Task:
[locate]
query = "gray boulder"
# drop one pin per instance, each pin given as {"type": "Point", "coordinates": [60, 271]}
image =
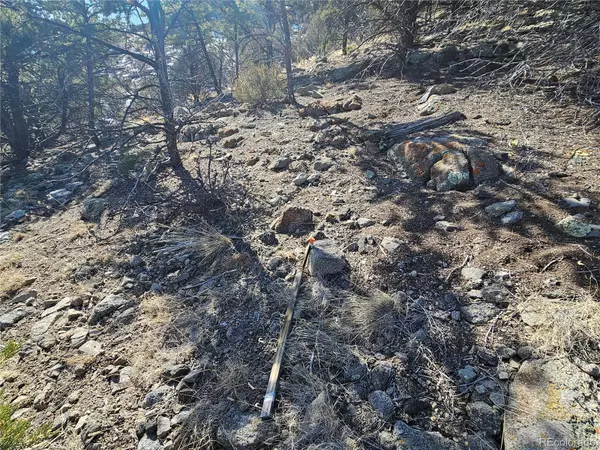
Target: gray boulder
{"type": "Point", "coordinates": [10, 318]}
{"type": "Point", "coordinates": [382, 403]}
{"type": "Point", "coordinates": [108, 306]}
{"type": "Point", "coordinates": [326, 259]}
{"type": "Point", "coordinates": [242, 431]}
{"type": "Point", "coordinates": [549, 408]}
{"type": "Point", "coordinates": [484, 418]}
{"type": "Point", "coordinates": [413, 439]}
{"type": "Point", "coordinates": [92, 209]}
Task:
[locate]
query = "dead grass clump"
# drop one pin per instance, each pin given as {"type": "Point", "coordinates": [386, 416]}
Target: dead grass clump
{"type": "Point", "coordinates": [78, 230]}
{"type": "Point", "coordinates": [377, 316]}
{"type": "Point", "coordinates": [11, 260]}
{"type": "Point", "coordinates": [203, 242]}
{"type": "Point", "coordinates": [155, 309]}
{"type": "Point", "coordinates": [11, 281]}
{"type": "Point", "coordinates": [149, 352]}
{"type": "Point", "coordinates": [565, 327]}
{"type": "Point", "coordinates": [306, 411]}
{"type": "Point", "coordinates": [232, 378]}
{"type": "Point", "coordinates": [318, 349]}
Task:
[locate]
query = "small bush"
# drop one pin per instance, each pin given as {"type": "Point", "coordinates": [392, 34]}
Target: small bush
{"type": "Point", "coordinates": [9, 350]}
{"type": "Point", "coordinates": [18, 434]}
{"type": "Point", "coordinates": [259, 84]}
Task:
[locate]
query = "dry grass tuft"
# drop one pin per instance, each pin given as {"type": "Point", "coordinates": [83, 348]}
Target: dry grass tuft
{"type": "Point", "coordinates": [566, 327]}
{"type": "Point", "coordinates": [11, 281]}
{"type": "Point", "coordinates": [318, 349]}
{"type": "Point", "coordinates": [377, 316]}
{"type": "Point", "coordinates": [11, 260]}
{"type": "Point", "coordinates": [231, 378]}
{"type": "Point", "coordinates": [306, 411]}
{"type": "Point", "coordinates": [149, 353]}
{"type": "Point", "coordinates": [203, 242]}
{"type": "Point", "coordinates": [78, 230]}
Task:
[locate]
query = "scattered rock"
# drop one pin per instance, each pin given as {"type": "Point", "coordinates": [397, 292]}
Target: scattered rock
{"type": "Point", "coordinates": [232, 142]}
{"type": "Point", "coordinates": [484, 418]}
{"type": "Point", "coordinates": [472, 273]}
{"type": "Point", "coordinates": [155, 396]}
{"type": "Point", "coordinates": [40, 328]}
{"type": "Point", "coordinates": [479, 313]}
{"type": "Point", "coordinates": [447, 226]}
{"type": "Point", "coordinates": [242, 431]}
{"type": "Point", "coordinates": [576, 226]}
{"type": "Point", "coordinates": [505, 353]}
{"type": "Point", "coordinates": [391, 244]}
{"type": "Point", "coordinates": [467, 374]}
{"type": "Point", "coordinates": [163, 427]}
{"type": "Point", "coordinates": [108, 306]}
{"type": "Point", "coordinates": [437, 89]}
{"type": "Point", "coordinates": [525, 352]}
{"type": "Point", "coordinates": [78, 337]}
{"type": "Point", "coordinates": [175, 372]}
{"type": "Point", "coordinates": [92, 209]}
{"type": "Point", "coordinates": [15, 216]}
{"type": "Point", "coordinates": [91, 348]}
{"type": "Point", "coordinates": [146, 443]}
{"type": "Point", "coordinates": [498, 399]}
{"type": "Point", "coordinates": [323, 165]}
{"type": "Point", "coordinates": [500, 208]}
{"type": "Point", "coordinates": [577, 202]}
{"type": "Point", "coordinates": [65, 303]}
{"type": "Point", "coordinates": [326, 259]}
{"type": "Point", "coordinates": [10, 318]}
{"type": "Point", "coordinates": [363, 222]}
{"type": "Point", "coordinates": [382, 403]}
{"type": "Point", "coordinates": [280, 163]}
{"type": "Point", "coordinates": [410, 438]}
{"type": "Point", "coordinates": [60, 195]}
{"type": "Point", "coordinates": [450, 173]}
{"type": "Point", "coordinates": [352, 104]}
{"type": "Point", "coordinates": [465, 158]}
{"type": "Point", "coordinates": [495, 293]}
{"type": "Point", "coordinates": [293, 220]}
{"type": "Point", "coordinates": [268, 238]}
{"type": "Point", "coordinates": [512, 218]}
{"type": "Point", "coordinates": [301, 179]}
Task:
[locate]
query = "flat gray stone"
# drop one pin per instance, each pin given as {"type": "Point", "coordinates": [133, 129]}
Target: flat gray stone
{"type": "Point", "coordinates": [40, 328]}
{"type": "Point", "coordinates": [10, 318]}
{"type": "Point", "coordinates": [479, 313]}
{"type": "Point", "coordinates": [500, 208]}
{"type": "Point", "coordinates": [91, 348]}
{"type": "Point", "coordinates": [413, 439]}
{"type": "Point", "coordinates": [326, 259]}
{"type": "Point", "coordinates": [109, 305]}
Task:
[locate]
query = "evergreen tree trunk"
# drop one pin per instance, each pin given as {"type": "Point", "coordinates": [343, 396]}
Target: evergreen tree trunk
{"type": "Point", "coordinates": [18, 132]}
{"type": "Point", "coordinates": [288, 53]}
{"type": "Point", "coordinates": [211, 69]}
{"type": "Point", "coordinates": [89, 83]}
{"type": "Point", "coordinates": [157, 23]}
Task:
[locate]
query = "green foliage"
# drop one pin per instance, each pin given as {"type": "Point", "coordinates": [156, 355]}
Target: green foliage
{"type": "Point", "coordinates": [134, 159]}
{"type": "Point", "coordinates": [18, 434]}
{"type": "Point", "coordinates": [9, 350]}
{"type": "Point", "coordinates": [259, 84]}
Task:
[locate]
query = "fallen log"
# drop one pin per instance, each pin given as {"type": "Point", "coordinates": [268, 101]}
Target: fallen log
{"type": "Point", "coordinates": [402, 130]}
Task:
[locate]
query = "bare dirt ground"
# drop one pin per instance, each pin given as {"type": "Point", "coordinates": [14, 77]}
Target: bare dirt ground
{"type": "Point", "coordinates": [395, 326]}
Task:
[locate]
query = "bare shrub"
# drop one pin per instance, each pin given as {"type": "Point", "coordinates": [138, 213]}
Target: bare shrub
{"type": "Point", "coordinates": [259, 84]}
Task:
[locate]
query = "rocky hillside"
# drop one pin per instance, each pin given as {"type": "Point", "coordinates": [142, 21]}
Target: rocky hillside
{"type": "Point", "coordinates": [452, 299]}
